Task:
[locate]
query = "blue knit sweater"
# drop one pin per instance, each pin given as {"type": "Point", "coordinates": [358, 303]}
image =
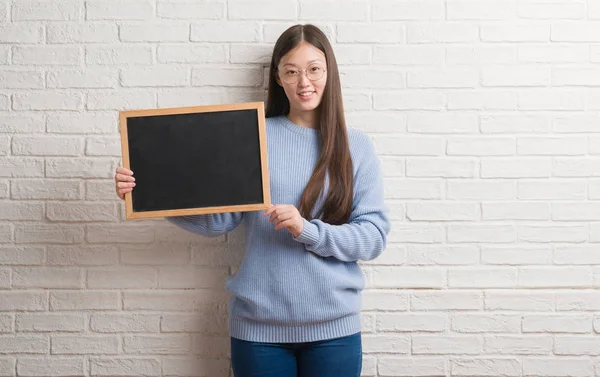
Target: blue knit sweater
{"type": "Point", "coordinates": [306, 288]}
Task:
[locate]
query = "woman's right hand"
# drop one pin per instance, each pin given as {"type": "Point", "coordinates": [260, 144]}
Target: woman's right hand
{"type": "Point", "coordinates": [124, 181]}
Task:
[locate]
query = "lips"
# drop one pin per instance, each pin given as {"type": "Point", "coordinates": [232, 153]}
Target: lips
{"type": "Point", "coordinates": [306, 94]}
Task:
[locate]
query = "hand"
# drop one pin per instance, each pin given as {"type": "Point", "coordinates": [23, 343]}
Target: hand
{"type": "Point", "coordinates": [124, 181]}
{"type": "Point", "coordinates": [286, 216]}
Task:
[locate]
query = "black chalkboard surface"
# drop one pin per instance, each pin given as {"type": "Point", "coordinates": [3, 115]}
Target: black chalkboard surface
{"type": "Point", "coordinates": [196, 160]}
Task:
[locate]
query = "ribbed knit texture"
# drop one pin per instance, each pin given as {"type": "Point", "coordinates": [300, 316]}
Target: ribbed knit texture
{"type": "Point", "coordinates": [306, 288]}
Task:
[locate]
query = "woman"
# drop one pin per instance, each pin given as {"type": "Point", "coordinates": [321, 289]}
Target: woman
{"type": "Point", "coordinates": [295, 307]}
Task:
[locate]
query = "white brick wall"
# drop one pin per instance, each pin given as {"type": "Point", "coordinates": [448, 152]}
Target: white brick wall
{"type": "Point", "coordinates": [485, 117]}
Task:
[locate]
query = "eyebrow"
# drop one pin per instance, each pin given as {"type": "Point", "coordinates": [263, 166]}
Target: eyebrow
{"type": "Point", "coordinates": [312, 61]}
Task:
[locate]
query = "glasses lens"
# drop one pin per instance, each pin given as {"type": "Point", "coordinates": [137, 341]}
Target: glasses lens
{"type": "Point", "coordinates": [314, 73]}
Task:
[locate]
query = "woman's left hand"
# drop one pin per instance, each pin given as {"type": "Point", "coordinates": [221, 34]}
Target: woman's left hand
{"type": "Point", "coordinates": [286, 216]}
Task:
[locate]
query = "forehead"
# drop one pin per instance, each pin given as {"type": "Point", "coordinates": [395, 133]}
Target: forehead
{"type": "Point", "coordinates": [303, 54]}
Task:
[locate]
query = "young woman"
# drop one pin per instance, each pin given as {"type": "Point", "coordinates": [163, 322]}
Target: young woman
{"type": "Point", "coordinates": [295, 307]}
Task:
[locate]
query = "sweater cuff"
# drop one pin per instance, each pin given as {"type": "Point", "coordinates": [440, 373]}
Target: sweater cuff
{"type": "Point", "coordinates": [309, 235]}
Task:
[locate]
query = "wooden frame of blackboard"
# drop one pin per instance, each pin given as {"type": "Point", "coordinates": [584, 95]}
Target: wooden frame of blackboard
{"type": "Point", "coordinates": [261, 133]}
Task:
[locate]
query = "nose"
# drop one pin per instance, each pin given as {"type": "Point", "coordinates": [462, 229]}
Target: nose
{"type": "Point", "coordinates": [303, 80]}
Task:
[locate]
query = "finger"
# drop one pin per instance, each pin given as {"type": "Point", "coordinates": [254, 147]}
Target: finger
{"type": "Point", "coordinates": [284, 224]}
{"type": "Point", "coordinates": [124, 171]}
{"type": "Point", "coordinates": [283, 217]}
{"type": "Point", "coordinates": [124, 178]}
{"type": "Point", "coordinates": [270, 210]}
{"type": "Point", "coordinates": [121, 192]}
{"type": "Point", "coordinates": [125, 184]}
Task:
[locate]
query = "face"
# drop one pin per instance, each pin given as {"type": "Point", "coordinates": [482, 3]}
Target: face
{"type": "Point", "coordinates": [300, 65]}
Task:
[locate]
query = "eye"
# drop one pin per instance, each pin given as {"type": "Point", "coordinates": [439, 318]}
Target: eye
{"type": "Point", "coordinates": [291, 72]}
{"type": "Point", "coordinates": [315, 69]}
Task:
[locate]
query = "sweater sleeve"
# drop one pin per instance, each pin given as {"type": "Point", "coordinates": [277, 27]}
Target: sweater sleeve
{"type": "Point", "coordinates": [208, 225]}
{"type": "Point", "coordinates": [364, 236]}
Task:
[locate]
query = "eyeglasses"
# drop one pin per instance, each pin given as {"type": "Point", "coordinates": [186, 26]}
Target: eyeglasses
{"type": "Point", "coordinates": [292, 75]}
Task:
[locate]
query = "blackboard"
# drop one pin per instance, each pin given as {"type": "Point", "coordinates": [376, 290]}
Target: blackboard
{"type": "Point", "coordinates": [195, 160]}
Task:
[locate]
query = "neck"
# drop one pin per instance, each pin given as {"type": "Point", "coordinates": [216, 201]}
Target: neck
{"type": "Point", "coordinates": [308, 119]}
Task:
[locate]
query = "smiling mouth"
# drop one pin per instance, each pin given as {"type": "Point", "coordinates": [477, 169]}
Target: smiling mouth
{"type": "Point", "coordinates": [305, 94]}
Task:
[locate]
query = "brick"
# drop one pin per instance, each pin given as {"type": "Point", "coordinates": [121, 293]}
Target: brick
{"type": "Point", "coordinates": [90, 123]}
{"type": "Point", "coordinates": [476, 10]}
{"type": "Point", "coordinates": [477, 277]}
{"type": "Point", "coordinates": [481, 190]}
{"type": "Point", "coordinates": [409, 277]}
{"type": "Point", "coordinates": [47, 10]}
{"type": "Point", "coordinates": [82, 33]}
{"type": "Point", "coordinates": [408, 10]}
{"type": "Point", "coordinates": [162, 76]}
{"type": "Point", "coordinates": [578, 301]}
{"type": "Point", "coordinates": [38, 233]}
{"type": "Point", "coordinates": [348, 54]}
{"type": "Point", "coordinates": [50, 322]}
{"type": "Point", "coordinates": [558, 366]}
{"type": "Point", "coordinates": [22, 300]}
{"type": "Point", "coordinates": [118, 55]}
{"type": "Point", "coordinates": [82, 300]}
{"type": "Point", "coordinates": [22, 79]}
{"type": "Point", "coordinates": [414, 188]}
{"type": "Point", "coordinates": [411, 367]}
{"type": "Point", "coordinates": [488, 323]}
{"type": "Point", "coordinates": [516, 255]}
{"type": "Point", "coordinates": [515, 33]}
{"type": "Point", "coordinates": [21, 255]}
{"type": "Point", "coordinates": [6, 233]}
{"type": "Point", "coordinates": [379, 343]}
{"type": "Point", "coordinates": [551, 10]}
{"type": "Point", "coordinates": [518, 345]}
{"type": "Point", "coordinates": [515, 76]}
{"type": "Point", "coordinates": [192, 96]}
{"type": "Point", "coordinates": [125, 367]}
{"type": "Point", "coordinates": [575, 32]}
{"type": "Point", "coordinates": [354, 10]}
{"type": "Point", "coordinates": [160, 32]}
{"type": "Point", "coordinates": [553, 233]}
{"type": "Point", "coordinates": [575, 211]}
{"type": "Point", "coordinates": [47, 277]}
{"type": "Point", "coordinates": [120, 234]}
{"type": "Point", "coordinates": [47, 101]}
{"type": "Point", "coordinates": [408, 145]}
{"type": "Point", "coordinates": [103, 147]}
{"type": "Point", "coordinates": [514, 124]}
{"type": "Point", "coordinates": [516, 168]}
{"type": "Point", "coordinates": [416, 233]}
{"type": "Point", "coordinates": [47, 55]}
{"type": "Point", "coordinates": [7, 366]}
{"type": "Point", "coordinates": [442, 32]}
{"type": "Point", "coordinates": [372, 33]}
{"type": "Point", "coordinates": [79, 168]}
{"type": "Point", "coordinates": [411, 322]}
{"type": "Point", "coordinates": [480, 55]}
{"type": "Point", "coordinates": [28, 189]}
{"type": "Point", "coordinates": [77, 79]}
{"type": "Point", "coordinates": [576, 254]}
{"type": "Point", "coordinates": [21, 124]}
{"type": "Point", "coordinates": [217, 31]}
{"type": "Point", "coordinates": [482, 100]}
{"type": "Point", "coordinates": [170, 301]}
{"type": "Point", "coordinates": [417, 55]}
{"type": "Point", "coordinates": [519, 301]}
{"type": "Point", "coordinates": [64, 366]}
{"type": "Point", "coordinates": [184, 53]}
{"type": "Point", "coordinates": [128, 323]}
{"type": "Point", "coordinates": [480, 146]}
{"type": "Point", "coordinates": [6, 325]}
{"type": "Point", "coordinates": [447, 78]}
{"type": "Point", "coordinates": [576, 167]}
{"type": "Point", "coordinates": [389, 300]}
{"type": "Point", "coordinates": [212, 10]}
{"type": "Point", "coordinates": [578, 323]}
{"type": "Point", "coordinates": [443, 168]}
{"type": "Point", "coordinates": [515, 211]}
{"type": "Point", "coordinates": [555, 54]}
{"type": "Point", "coordinates": [127, 99]}
{"type": "Point", "coordinates": [81, 212]}
{"type": "Point", "coordinates": [445, 300]}
{"type": "Point", "coordinates": [83, 255]}
{"type": "Point", "coordinates": [21, 211]}
{"type": "Point", "coordinates": [265, 10]}
{"type": "Point", "coordinates": [5, 278]}
{"type": "Point", "coordinates": [435, 211]}
{"type": "Point", "coordinates": [211, 346]}
{"type": "Point", "coordinates": [367, 78]}
{"type": "Point", "coordinates": [273, 30]}
{"type": "Point", "coordinates": [47, 146]}
{"type": "Point", "coordinates": [99, 190]}
{"type": "Point", "coordinates": [551, 190]}
{"type": "Point", "coordinates": [21, 33]}
{"type": "Point", "coordinates": [576, 345]}
{"type": "Point", "coordinates": [152, 344]}
{"type": "Point", "coordinates": [206, 323]}
{"type": "Point", "coordinates": [120, 10]}
{"type": "Point", "coordinates": [196, 277]}
{"type": "Point", "coordinates": [85, 345]}
{"type": "Point", "coordinates": [485, 367]}
{"type": "Point", "coordinates": [555, 277]}
{"type": "Point", "coordinates": [442, 255]}
{"type": "Point", "coordinates": [112, 278]}
{"type": "Point", "coordinates": [448, 345]}
{"type": "Point", "coordinates": [4, 51]}
{"type": "Point", "coordinates": [238, 77]}
{"type": "Point", "coordinates": [31, 344]}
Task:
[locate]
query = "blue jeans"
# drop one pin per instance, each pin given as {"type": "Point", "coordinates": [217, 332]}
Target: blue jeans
{"type": "Point", "coordinates": [341, 357]}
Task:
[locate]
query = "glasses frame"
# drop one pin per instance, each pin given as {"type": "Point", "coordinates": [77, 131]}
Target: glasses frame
{"type": "Point", "coordinates": [302, 71]}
